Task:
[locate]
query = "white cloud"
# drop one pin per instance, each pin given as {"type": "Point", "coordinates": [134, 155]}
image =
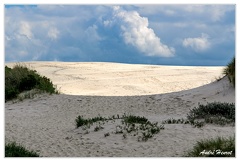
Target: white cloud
{"type": "Point", "coordinates": [198, 44]}
{"type": "Point", "coordinates": [25, 29]}
{"type": "Point", "coordinates": [53, 33]}
{"type": "Point", "coordinates": [137, 33]}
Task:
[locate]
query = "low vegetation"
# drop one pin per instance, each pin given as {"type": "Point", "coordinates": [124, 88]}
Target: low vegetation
{"type": "Point", "coordinates": [20, 79]}
{"type": "Point", "coordinates": [213, 113]}
{"type": "Point", "coordinates": [131, 125]}
{"type": "Point", "coordinates": [14, 150]}
{"type": "Point", "coordinates": [229, 71]}
{"type": "Point", "coordinates": [214, 147]}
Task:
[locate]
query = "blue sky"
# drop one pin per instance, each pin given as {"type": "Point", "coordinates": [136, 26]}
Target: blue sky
{"type": "Point", "coordinates": [145, 34]}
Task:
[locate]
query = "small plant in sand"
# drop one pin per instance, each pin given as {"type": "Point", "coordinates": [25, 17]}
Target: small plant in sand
{"type": "Point", "coordinates": [215, 147]}
{"type": "Point", "coordinates": [98, 127]}
{"type": "Point", "coordinates": [131, 125]}
{"type": "Point", "coordinates": [14, 150]}
{"type": "Point", "coordinates": [175, 121]}
{"type": "Point", "coordinates": [214, 113]}
{"type": "Point", "coordinates": [80, 121]}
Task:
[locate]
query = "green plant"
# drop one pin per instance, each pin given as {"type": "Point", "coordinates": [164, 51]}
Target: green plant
{"type": "Point", "coordinates": [20, 78]}
{"type": "Point", "coordinates": [215, 113]}
{"type": "Point", "coordinates": [135, 119]}
{"type": "Point", "coordinates": [98, 127]}
{"type": "Point", "coordinates": [14, 150]}
{"type": "Point", "coordinates": [229, 71]}
{"type": "Point", "coordinates": [80, 121]}
{"type": "Point", "coordinates": [175, 121]}
{"type": "Point", "coordinates": [214, 147]}
{"type": "Point", "coordinates": [131, 124]}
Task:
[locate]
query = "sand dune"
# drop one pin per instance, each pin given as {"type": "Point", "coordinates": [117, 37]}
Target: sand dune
{"type": "Point", "coordinates": [46, 123]}
{"type": "Point", "coordinates": [115, 79]}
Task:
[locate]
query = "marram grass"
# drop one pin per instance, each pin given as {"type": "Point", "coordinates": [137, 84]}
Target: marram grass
{"type": "Point", "coordinates": [229, 71]}
{"type": "Point", "coordinates": [14, 150]}
{"type": "Point", "coordinates": [214, 147]}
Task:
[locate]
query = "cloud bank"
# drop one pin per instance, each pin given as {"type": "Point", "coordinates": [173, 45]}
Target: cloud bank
{"type": "Point", "coordinates": [137, 33]}
{"type": "Point", "coordinates": [145, 34]}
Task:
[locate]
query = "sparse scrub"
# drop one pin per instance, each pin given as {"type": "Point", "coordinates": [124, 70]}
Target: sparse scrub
{"type": "Point", "coordinates": [20, 79]}
{"type": "Point", "coordinates": [80, 121]}
{"type": "Point", "coordinates": [175, 121]}
{"type": "Point", "coordinates": [214, 113]}
{"type": "Point", "coordinates": [14, 150]}
{"type": "Point", "coordinates": [215, 147]}
{"type": "Point", "coordinates": [229, 71]}
{"type": "Point", "coordinates": [131, 124]}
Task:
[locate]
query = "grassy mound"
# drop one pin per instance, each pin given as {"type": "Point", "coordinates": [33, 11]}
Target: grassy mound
{"type": "Point", "coordinates": [20, 78]}
{"type": "Point", "coordinates": [14, 150]}
{"type": "Point", "coordinates": [229, 71]}
{"type": "Point", "coordinates": [131, 126]}
{"type": "Point", "coordinates": [218, 147]}
{"type": "Point", "coordinates": [214, 113]}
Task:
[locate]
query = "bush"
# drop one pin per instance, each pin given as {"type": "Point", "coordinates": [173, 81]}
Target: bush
{"type": "Point", "coordinates": [229, 71]}
{"type": "Point", "coordinates": [218, 147]}
{"type": "Point", "coordinates": [14, 150]}
{"type": "Point", "coordinates": [135, 119]}
{"type": "Point", "coordinates": [20, 78]}
{"type": "Point", "coordinates": [216, 112]}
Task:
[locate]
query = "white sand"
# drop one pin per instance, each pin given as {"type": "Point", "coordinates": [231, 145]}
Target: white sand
{"type": "Point", "coordinates": [46, 123]}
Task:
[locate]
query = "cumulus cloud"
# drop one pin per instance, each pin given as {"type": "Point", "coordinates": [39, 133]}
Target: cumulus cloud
{"type": "Point", "coordinates": [137, 33]}
{"type": "Point", "coordinates": [198, 44]}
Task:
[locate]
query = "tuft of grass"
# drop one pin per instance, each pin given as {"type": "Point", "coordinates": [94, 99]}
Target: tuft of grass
{"type": "Point", "coordinates": [215, 147]}
{"type": "Point", "coordinates": [135, 119]}
{"type": "Point", "coordinates": [175, 121]}
{"type": "Point", "coordinates": [214, 113]}
{"type": "Point", "coordinates": [20, 78]}
{"type": "Point", "coordinates": [14, 150]}
{"type": "Point", "coordinates": [80, 121]}
{"type": "Point", "coordinates": [229, 71]}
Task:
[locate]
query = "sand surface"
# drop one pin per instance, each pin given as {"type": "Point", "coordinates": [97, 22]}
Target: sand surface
{"type": "Point", "coordinates": [46, 123]}
{"type": "Point", "coordinates": [115, 79]}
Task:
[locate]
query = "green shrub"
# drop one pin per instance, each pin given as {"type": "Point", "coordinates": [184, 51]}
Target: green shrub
{"type": "Point", "coordinates": [229, 71]}
{"type": "Point", "coordinates": [218, 147]}
{"type": "Point", "coordinates": [80, 121]}
{"type": "Point", "coordinates": [14, 150]}
{"type": "Point", "coordinates": [216, 112]}
{"type": "Point", "coordinates": [135, 119]}
{"type": "Point", "coordinates": [20, 78]}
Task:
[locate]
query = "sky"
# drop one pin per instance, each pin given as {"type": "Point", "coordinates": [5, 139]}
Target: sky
{"type": "Point", "coordinates": [138, 34]}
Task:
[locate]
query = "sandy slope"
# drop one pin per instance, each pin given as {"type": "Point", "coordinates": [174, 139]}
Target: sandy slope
{"type": "Point", "coordinates": [46, 123]}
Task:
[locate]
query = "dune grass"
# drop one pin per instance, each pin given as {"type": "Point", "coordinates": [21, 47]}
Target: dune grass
{"type": "Point", "coordinates": [21, 78]}
{"type": "Point", "coordinates": [229, 71]}
{"type": "Point", "coordinates": [14, 150]}
{"type": "Point", "coordinates": [214, 147]}
{"type": "Point", "coordinates": [214, 113]}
